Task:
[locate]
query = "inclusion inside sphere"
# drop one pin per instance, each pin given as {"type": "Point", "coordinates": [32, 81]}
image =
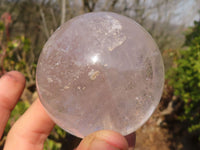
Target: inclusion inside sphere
{"type": "Point", "coordinates": [100, 71]}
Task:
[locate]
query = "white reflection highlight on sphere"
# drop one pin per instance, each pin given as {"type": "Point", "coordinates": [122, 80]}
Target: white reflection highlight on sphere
{"type": "Point", "coordinates": [95, 58]}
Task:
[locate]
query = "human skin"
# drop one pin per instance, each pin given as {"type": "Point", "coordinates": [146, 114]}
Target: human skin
{"type": "Point", "coordinates": [32, 128]}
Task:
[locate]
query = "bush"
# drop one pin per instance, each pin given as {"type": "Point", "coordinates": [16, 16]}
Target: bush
{"type": "Point", "coordinates": [16, 54]}
{"type": "Point", "coordinates": [185, 79]}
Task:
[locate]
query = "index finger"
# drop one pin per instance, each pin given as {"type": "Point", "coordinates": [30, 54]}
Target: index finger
{"type": "Point", "coordinates": [31, 129]}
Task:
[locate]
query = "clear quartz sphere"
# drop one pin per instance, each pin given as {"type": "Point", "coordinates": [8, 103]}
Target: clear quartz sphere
{"type": "Point", "coordinates": [100, 71]}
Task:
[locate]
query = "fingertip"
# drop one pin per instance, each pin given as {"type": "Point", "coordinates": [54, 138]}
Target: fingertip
{"type": "Point", "coordinates": [15, 76]}
{"type": "Point", "coordinates": [113, 138]}
{"type": "Point", "coordinates": [104, 139]}
{"type": "Point", "coordinates": [14, 79]}
{"type": "Point", "coordinates": [11, 87]}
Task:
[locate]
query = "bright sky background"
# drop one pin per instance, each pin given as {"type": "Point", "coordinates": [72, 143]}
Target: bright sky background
{"type": "Point", "coordinates": [187, 11]}
{"type": "Point", "coordinates": [183, 14]}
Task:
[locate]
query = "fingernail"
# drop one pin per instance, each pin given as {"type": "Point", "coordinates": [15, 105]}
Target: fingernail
{"type": "Point", "coordinates": [102, 145]}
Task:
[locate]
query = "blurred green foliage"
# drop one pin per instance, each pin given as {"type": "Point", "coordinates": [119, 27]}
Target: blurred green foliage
{"type": "Point", "coordinates": [14, 55]}
{"type": "Point", "coordinates": [185, 79]}
{"type": "Point", "coordinates": [192, 38]}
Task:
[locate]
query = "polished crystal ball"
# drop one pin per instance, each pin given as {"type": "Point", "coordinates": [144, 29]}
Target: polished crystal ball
{"type": "Point", "coordinates": [100, 71]}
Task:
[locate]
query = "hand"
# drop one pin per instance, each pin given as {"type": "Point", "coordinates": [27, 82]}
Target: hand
{"type": "Point", "coordinates": [33, 127]}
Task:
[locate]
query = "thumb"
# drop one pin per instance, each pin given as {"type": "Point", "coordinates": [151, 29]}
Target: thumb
{"type": "Point", "coordinates": [103, 140]}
